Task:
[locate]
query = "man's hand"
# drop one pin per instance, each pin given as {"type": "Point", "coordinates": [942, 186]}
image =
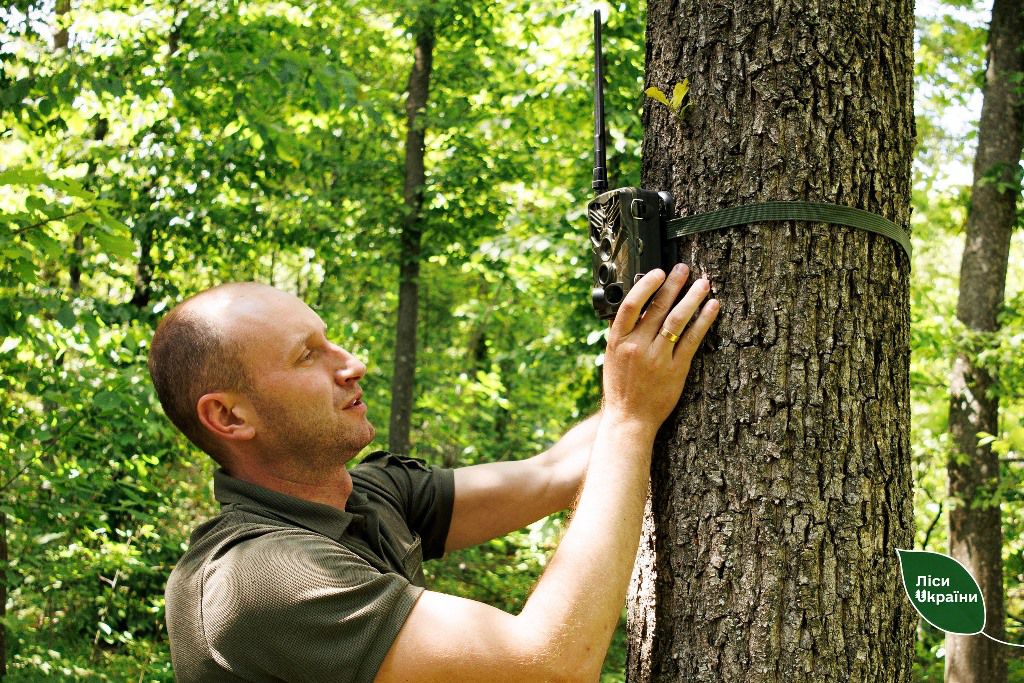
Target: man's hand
{"type": "Point", "coordinates": [644, 370]}
{"type": "Point", "coordinates": [564, 630]}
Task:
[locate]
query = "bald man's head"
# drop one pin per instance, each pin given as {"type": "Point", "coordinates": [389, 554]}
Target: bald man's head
{"type": "Point", "coordinates": [196, 350]}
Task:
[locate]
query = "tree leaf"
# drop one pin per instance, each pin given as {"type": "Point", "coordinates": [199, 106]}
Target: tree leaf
{"type": "Point", "coordinates": [117, 245]}
{"type": "Point", "coordinates": [943, 591]}
{"type": "Point", "coordinates": [106, 400]}
{"type": "Point", "coordinates": [30, 177]}
{"type": "Point", "coordinates": [23, 176]}
{"type": "Point", "coordinates": [66, 317]}
{"type": "Point", "coordinates": [656, 94]}
{"type": "Point", "coordinates": [679, 92]}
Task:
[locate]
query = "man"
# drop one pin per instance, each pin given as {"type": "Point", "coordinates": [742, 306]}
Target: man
{"type": "Point", "coordinates": [312, 571]}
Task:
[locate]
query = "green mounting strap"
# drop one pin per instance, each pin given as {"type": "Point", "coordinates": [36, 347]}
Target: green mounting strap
{"type": "Point", "coordinates": [815, 212]}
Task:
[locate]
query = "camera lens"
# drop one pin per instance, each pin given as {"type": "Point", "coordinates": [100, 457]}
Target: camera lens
{"type": "Point", "coordinates": [606, 273]}
{"type": "Point", "coordinates": [606, 249]}
{"type": "Point", "coordinates": [613, 294]}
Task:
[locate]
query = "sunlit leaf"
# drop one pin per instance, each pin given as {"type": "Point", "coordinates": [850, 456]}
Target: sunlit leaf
{"type": "Point", "coordinates": [656, 94]}
{"type": "Point", "coordinates": [679, 92]}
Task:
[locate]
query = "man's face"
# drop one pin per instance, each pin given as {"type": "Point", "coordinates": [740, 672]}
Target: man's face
{"type": "Point", "coordinates": [305, 389]}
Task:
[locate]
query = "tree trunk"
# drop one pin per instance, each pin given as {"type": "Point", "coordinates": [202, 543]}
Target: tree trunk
{"type": "Point", "coordinates": [143, 290]}
{"type": "Point", "coordinates": [975, 524]}
{"type": "Point", "coordinates": [60, 34]}
{"type": "Point", "coordinates": [99, 132]}
{"type": "Point", "coordinates": [781, 487]}
{"type": "Point", "coordinates": [403, 380]}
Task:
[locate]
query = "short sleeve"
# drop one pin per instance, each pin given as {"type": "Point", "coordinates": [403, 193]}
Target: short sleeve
{"type": "Point", "coordinates": [426, 494]}
{"type": "Point", "coordinates": [294, 606]}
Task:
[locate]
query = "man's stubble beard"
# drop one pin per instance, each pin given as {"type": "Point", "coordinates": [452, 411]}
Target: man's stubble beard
{"type": "Point", "coordinates": [311, 445]}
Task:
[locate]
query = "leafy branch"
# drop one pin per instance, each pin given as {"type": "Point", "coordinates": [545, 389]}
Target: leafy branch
{"type": "Point", "coordinates": [51, 442]}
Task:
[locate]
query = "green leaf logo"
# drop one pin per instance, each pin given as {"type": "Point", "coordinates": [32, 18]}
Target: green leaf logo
{"type": "Point", "coordinates": [943, 591]}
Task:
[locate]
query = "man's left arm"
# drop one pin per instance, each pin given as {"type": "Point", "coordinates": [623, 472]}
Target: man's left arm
{"type": "Point", "coordinates": [495, 498]}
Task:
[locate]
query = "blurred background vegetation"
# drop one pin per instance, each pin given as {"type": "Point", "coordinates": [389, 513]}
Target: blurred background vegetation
{"type": "Point", "coordinates": [152, 148]}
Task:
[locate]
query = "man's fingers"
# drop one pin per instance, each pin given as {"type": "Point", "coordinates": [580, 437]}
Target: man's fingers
{"type": "Point", "coordinates": [694, 334]}
{"type": "Point", "coordinates": [629, 309]}
{"type": "Point", "coordinates": [682, 312]}
{"type": "Point", "coordinates": [662, 301]}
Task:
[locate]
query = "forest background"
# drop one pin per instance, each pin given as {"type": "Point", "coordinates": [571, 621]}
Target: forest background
{"type": "Point", "coordinates": [150, 149]}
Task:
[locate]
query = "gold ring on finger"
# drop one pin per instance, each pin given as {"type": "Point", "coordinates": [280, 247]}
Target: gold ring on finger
{"type": "Point", "coordinates": [668, 334]}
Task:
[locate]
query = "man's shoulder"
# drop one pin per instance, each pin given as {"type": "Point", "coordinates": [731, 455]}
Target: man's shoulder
{"type": "Point", "coordinates": [267, 598]}
{"type": "Point", "coordinates": [389, 475]}
{"type": "Point", "coordinates": [258, 571]}
{"type": "Point", "coordinates": [383, 460]}
{"type": "Point", "coordinates": [237, 540]}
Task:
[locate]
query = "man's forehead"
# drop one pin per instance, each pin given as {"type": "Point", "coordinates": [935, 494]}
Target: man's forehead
{"type": "Point", "coordinates": [242, 309]}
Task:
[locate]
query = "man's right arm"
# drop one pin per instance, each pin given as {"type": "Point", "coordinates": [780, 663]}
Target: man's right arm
{"type": "Point", "coordinates": [563, 631]}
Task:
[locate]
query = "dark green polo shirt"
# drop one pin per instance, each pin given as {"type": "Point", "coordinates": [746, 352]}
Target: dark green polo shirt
{"type": "Point", "coordinates": [276, 588]}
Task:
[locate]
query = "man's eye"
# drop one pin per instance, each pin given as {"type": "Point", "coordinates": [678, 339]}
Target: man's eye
{"type": "Point", "coordinates": [307, 355]}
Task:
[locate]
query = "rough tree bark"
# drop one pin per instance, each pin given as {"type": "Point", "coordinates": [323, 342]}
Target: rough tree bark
{"type": "Point", "coordinates": [781, 488]}
{"type": "Point", "coordinates": [975, 523]}
{"type": "Point", "coordinates": [404, 377]}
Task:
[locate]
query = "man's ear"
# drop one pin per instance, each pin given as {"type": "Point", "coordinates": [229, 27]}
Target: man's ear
{"type": "Point", "coordinates": [226, 416]}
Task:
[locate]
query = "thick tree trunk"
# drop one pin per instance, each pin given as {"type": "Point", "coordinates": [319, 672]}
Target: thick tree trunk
{"type": "Point", "coordinates": [404, 378]}
{"type": "Point", "coordinates": [781, 488]}
{"type": "Point", "coordinates": [975, 524]}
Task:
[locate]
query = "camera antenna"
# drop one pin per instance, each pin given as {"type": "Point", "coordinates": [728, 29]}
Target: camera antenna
{"type": "Point", "coordinates": [600, 183]}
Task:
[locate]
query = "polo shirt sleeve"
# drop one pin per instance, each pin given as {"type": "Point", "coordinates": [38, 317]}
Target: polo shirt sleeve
{"type": "Point", "coordinates": [293, 606]}
{"type": "Point", "coordinates": [425, 493]}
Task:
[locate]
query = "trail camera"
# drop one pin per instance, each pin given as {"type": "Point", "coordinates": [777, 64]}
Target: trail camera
{"type": "Point", "coordinates": [627, 225]}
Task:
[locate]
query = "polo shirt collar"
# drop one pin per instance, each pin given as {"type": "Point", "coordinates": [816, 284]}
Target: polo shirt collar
{"type": "Point", "coordinates": [323, 519]}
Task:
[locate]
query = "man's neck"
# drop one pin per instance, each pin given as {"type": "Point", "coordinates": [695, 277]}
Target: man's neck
{"type": "Point", "coordinates": [328, 488]}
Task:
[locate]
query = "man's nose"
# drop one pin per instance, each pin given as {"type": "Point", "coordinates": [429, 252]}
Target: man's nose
{"type": "Point", "coordinates": [350, 368]}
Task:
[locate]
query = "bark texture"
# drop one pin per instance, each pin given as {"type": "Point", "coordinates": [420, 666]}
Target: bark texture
{"type": "Point", "coordinates": [975, 522]}
{"type": "Point", "coordinates": [781, 487]}
{"type": "Point", "coordinates": [404, 377]}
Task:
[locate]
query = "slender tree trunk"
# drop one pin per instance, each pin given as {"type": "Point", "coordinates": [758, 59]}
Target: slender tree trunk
{"type": "Point", "coordinates": [781, 487]}
{"type": "Point", "coordinates": [143, 290]}
{"type": "Point", "coordinates": [78, 244]}
{"type": "Point", "coordinates": [60, 35]}
{"type": "Point", "coordinates": [403, 380]}
{"type": "Point", "coordinates": [975, 524]}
